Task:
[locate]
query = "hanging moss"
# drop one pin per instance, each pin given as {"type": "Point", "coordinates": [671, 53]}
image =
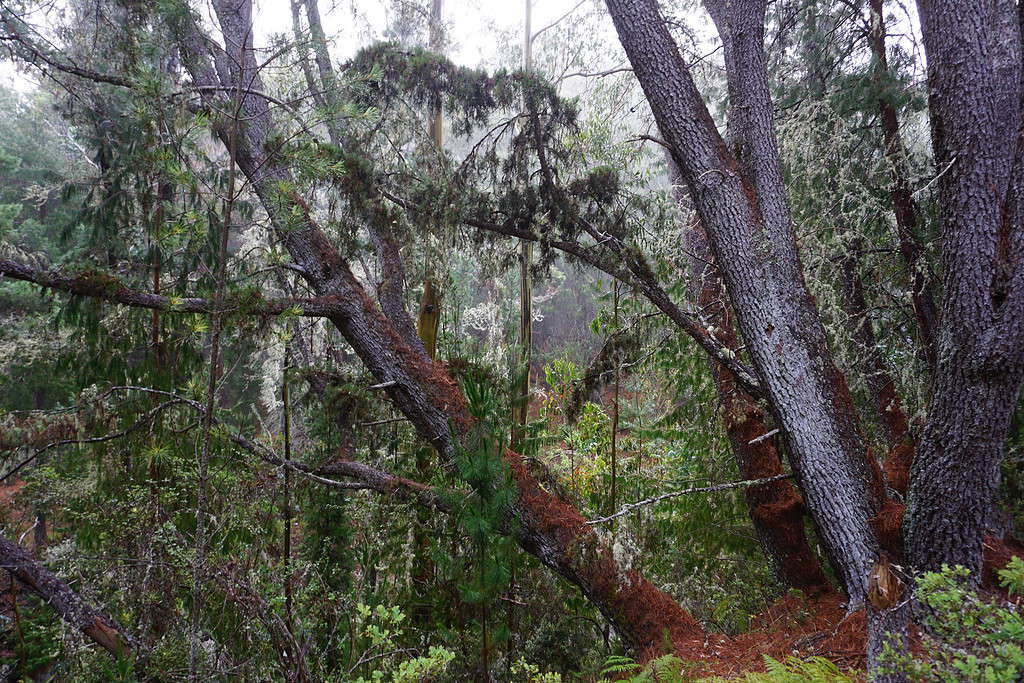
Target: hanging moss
{"type": "Point", "coordinates": [385, 72]}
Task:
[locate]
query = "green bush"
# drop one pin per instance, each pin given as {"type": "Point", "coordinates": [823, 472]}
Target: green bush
{"type": "Point", "coordinates": [967, 638]}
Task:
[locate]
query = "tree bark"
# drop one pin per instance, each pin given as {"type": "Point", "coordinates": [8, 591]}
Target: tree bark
{"type": "Point", "coordinates": [776, 509]}
{"type": "Point", "coordinates": [751, 236]}
{"type": "Point", "coordinates": [974, 79]}
{"type": "Point", "coordinates": [103, 630]}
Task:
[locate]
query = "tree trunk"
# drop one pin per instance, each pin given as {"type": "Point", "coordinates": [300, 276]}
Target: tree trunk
{"type": "Point", "coordinates": [903, 204]}
{"type": "Point", "coordinates": [521, 391]}
{"type": "Point", "coordinates": [776, 509]}
{"type": "Point", "coordinates": [420, 388]}
{"type": "Point", "coordinates": [974, 80]}
{"type": "Point", "coordinates": [888, 407]}
{"type": "Point", "coordinates": [751, 236]}
{"type": "Point", "coordinates": [427, 324]}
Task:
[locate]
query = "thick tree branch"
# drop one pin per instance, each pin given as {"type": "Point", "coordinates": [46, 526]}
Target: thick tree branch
{"type": "Point", "coordinates": [628, 267]}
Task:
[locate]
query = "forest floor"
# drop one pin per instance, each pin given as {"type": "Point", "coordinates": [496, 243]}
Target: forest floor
{"type": "Point", "coordinates": [795, 625]}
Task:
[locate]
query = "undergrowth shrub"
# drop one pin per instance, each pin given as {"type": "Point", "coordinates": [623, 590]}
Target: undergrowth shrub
{"type": "Point", "coordinates": [966, 637]}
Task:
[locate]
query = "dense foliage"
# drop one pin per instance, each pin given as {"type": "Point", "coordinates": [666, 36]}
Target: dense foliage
{"type": "Point", "coordinates": [172, 461]}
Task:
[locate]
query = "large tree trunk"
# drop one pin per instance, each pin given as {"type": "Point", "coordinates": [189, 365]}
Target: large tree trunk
{"type": "Point", "coordinates": [751, 236]}
{"type": "Point", "coordinates": [974, 82]}
{"type": "Point", "coordinates": [776, 509]}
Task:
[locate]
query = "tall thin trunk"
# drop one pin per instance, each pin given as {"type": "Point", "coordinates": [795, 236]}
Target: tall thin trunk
{"type": "Point", "coordinates": [615, 407]}
{"type": "Point", "coordinates": [286, 420]}
{"type": "Point", "coordinates": [427, 325]}
{"type": "Point", "coordinates": [521, 393]}
{"type": "Point", "coordinates": [903, 203]}
{"type": "Point", "coordinates": [217, 328]}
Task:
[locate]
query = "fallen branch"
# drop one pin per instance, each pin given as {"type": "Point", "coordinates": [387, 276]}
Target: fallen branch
{"type": "Point", "coordinates": [629, 507]}
{"type": "Point", "coordinates": [69, 605]}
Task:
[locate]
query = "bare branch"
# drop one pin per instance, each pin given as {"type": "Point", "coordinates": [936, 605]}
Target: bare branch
{"type": "Point", "coordinates": [629, 507]}
{"type": "Point", "coordinates": [557, 21]}
{"type": "Point", "coordinates": [595, 74]}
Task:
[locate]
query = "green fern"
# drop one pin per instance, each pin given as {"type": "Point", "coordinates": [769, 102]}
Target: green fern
{"type": "Point", "coordinates": [793, 670]}
{"type": "Point", "coordinates": [618, 664]}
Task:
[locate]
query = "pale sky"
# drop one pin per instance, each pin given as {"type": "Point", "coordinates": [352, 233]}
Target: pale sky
{"type": "Point", "coordinates": [476, 28]}
{"type": "Point", "coordinates": [473, 26]}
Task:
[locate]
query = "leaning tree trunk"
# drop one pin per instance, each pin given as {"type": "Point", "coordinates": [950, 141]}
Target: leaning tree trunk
{"type": "Point", "coordinates": [776, 509]}
{"type": "Point", "coordinates": [751, 236]}
{"type": "Point", "coordinates": [742, 202]}
{"type": "Point", "coordinates": [420, 388]}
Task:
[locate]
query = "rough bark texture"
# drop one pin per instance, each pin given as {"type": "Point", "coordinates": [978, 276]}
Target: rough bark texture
{"type": "Point", "coordinates": [69, 605]}
{"type": "Point", "coordinates": [752, 239]}
{"type": "Point", "coordinates": [974, 78]}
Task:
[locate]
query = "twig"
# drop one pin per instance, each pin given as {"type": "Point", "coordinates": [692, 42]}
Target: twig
{"type": "Point", "coordinates": [758, 439]}
{"type": "Point", "coordinates": [935, 179]}
{"type": "Point", "coordinates": [629, 507]}
{"type": "Point", "coordinates": [383, 422]}
{"type": "Point", "coordinates": [96, 439]}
